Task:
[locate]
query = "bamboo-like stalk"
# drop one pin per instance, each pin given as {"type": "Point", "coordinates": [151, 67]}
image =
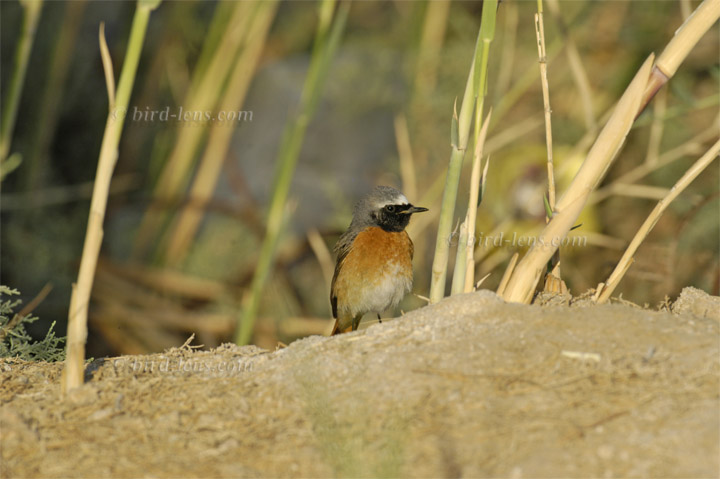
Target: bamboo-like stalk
{"type": "Point", "coordinates": [80, 299]}
{"type": "Point", "coordinates": [31, 15]}
{"type": "Point", "coordinates": [460, 132]}
{"type": "Point", "coordinates": [326, 42]}
{"type": "Point", "coordinates": [522, 283]}
{"type": "Point", "coordinates": [542, 56]}
{"type": "Point", "coordinates": [203, 96]}
{"type": "Point", "coordinates": [685, 38]}
{"type": "Point", "coordinates": [478, 181]}
{"type": "Point", "coordinates": [466, 242]}
{"type": "Point", "coordinates": [690, 147]}
{"type": "Point", "coordinates": [458, 279]}
{"type": "Point", "coordinates": [487, 34]}
{"type": "Point", "coordinates": [464, 274]}
{"type": "Point", "coordinates": [184, 228]}
{"type": "Point", "coordinates": [405, 154]}
{"type": "Point", "coordinates": [652, 219]}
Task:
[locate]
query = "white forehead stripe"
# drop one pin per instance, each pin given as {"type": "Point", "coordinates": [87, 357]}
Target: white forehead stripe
{"type": "Point", "coordinates": [398, 200]}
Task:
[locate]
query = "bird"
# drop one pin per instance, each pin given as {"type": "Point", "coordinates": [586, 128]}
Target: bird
{"type": "Point", "coordinates": [373, 271]}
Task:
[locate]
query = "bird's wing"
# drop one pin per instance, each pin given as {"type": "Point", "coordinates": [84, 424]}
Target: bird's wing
{"type": "Point", "coordinates": [342, 248]}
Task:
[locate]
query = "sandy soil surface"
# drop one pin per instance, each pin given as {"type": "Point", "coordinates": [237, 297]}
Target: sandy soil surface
{"type": "Point", "coordinates": [470, 387]}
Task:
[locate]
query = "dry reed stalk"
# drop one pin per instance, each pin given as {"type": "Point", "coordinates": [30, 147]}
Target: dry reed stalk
{"type": "Point", "coordinates": [167, 281]}
{"type": "Point", "coordinates": [684, 40]}
{"type": "Point", "coordinates": [542, 56]}
{"type": "Point", "coordinates": [685, 9]}
{"type": "Point", "coordinates": [405, 154]}
{"type": "Point", "coordinates": [184, 228]}
{"type": "Point", "coordinates": [652, 220]}
{"type": "Point", "coordinates": [524, 81]}
{"type": "Point", "coordinates": [506, 275]}
{"type": "Point", "coordinates": [522, 283]}
{"type": "Point", "coordinates": [638, 191]}
{"type": "Point", "coordinates": [203, 96]}
{"type": "Point", "coordinates": [458, 279]}
{"type": "Point", "coordinates": [56, 195]}
{"type": "Point", "coordinates": [692, 146]}
{"type": "Point", "coordinates": [431, 41]}
{"type": "Point", "coordinates": [80, 299]}
{"type": "Point", "coordinates": [322, 253]}
{"type": "Point", "coordinates": [477, 185]}
{"type": "Point", "coordinates": [576, 67]}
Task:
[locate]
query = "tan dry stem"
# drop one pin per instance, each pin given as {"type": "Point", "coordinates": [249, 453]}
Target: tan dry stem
{"type": "Point", "coordinates": [522, 283]}
{"type": "Point", "coordinates": [653, 218]}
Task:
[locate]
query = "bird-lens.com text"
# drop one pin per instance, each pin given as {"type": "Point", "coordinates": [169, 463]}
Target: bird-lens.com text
{"type": "Point", "coordinates": [501, 240]}
{"type": "Point", "coordinates": [179, 114]}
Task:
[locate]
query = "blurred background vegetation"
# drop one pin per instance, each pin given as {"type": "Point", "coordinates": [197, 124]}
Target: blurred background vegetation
{"type": "Point", "coordinates": [189, 199]}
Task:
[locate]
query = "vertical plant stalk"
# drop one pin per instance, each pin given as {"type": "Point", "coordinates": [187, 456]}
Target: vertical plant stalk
{"type": "Point", "coordinates": [652, 219]}
{"type": "Point", "coordinates": [326, 42]}
{"type": "Point", "coordinates": [405, 155]}
{"type": "Point", "coordinates": [487, 34]}
{"type": "Point", "coordinates": [203, 96]}
{"type": "Point", "coordinates": [576, 67]}
{"type": "Point", "coordinates": [522, 283]}
{"type": "Point", "coordinates": [31, 15]}
{"type": "Point", "coordinates": [184, 228]}
{"type": "Point", "coordinates": [479, 85]}
{"type": "Point", "coordinates": [542, 56]}
{"type": "Point", "coordinates": [77, 319]}
{"type": "Point", "coordinates": [684, 40]}
{"type": "Point", "coordinates": [477, 185]}
{"type": "Point", "coordinates": [460, 131]}
{"type": "Point", "coordinates": [464, 274]}
{"type": "Point", "coordinates": [459, 137]}
{"type": "Point", "coordinates": [429, 48]}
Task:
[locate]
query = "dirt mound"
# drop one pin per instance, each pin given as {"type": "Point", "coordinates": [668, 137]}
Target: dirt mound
{"type": "Point", "coordinates": [469, 387]}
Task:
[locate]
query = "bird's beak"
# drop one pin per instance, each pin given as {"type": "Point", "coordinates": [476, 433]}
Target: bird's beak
{"type": "Point", "coordinates": [414, 209]}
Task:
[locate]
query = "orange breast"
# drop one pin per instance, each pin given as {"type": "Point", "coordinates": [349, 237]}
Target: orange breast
{"type": "Point", "coordinates": [376, 273]}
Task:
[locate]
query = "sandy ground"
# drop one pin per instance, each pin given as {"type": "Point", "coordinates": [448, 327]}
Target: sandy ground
{"type": "Point", "coordinates": [470, 387]}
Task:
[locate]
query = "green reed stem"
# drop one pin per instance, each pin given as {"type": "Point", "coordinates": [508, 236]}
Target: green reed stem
{"type": "Point", "coordinates": [475, 90]}
{"type": "Point", "coordinates": [487, 33]}
{"type": "Point", "coordinates": [32, 10]}
{"type": "Point", "coordinates": [326, 42]}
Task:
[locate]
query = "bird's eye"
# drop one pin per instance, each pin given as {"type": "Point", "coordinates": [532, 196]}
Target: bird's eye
{"type": "Point", "coordinates": [390, 208]}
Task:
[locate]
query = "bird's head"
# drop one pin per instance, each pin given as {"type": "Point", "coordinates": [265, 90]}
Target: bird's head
{"type": "Point", "coordinates": [385, 207]}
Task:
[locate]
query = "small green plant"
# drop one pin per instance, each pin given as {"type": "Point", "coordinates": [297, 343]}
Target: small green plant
{"type": "Point", "coordinates": [15, 342]}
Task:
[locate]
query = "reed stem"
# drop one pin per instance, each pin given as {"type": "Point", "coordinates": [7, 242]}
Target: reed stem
{"type": "Point", "coordinates": [31, 15]}
{"type": "Point", "coordinates": [80, 299]}
{"type": "Point", "coordinates": [326, 42]}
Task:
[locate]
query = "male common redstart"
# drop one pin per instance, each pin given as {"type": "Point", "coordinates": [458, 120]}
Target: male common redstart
{"type": "Point", "coordinates": [374, 258]}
